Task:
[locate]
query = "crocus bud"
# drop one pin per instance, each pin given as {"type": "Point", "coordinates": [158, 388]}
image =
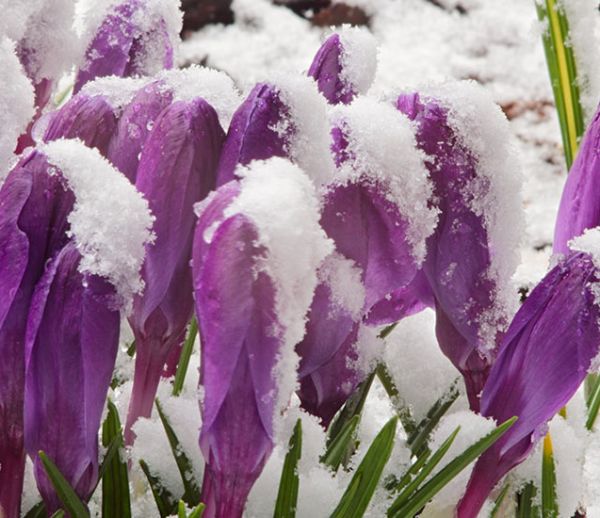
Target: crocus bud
{"type": "Point", "coordinates": [544, 357]}
{"type": "Point", "coordinates": [177, 169]}
{"type": "Point", "coordinates": [345, 65]}
{"type": "Point", "coordinates": [477, 191]}
{"type": "Point", "coordinates": [71, 347]}
{"type": "Point", "coordinates": [579, 206]}
{"type": "Point", "coordinates": [257, 247]}
{"type": "Point", "coordinates": [375, 210]}
{"type": "Point", "coordinates": [136, 37]}
{"type": "Point", "coordinates": [285, 118]}
{"type": "Point", "coordinates": [33, 223]}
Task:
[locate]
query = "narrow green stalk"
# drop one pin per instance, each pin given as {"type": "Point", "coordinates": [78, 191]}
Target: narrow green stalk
{"type": "Point", "coordinates": [549, 502]}
{"type": "Point", "coordinates": [593, 401]}
{"type": "Point", "coordinates": [184, 359]}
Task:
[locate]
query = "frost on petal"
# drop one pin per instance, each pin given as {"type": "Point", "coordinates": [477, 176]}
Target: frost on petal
{"type": "Point", "coordinates": [544, 357]}
{"type": "Point", "coordinates": [257, 248]}
{"type": "Point", "coordinates": [284, 118]}
{"type": "Point", "coordinates": [128, 38]}
{"type": "Point", "coordinates": [16, 104]}
{"type": "Point", "coordinates": [110, 222]}
{"type": "Point", "coordinates": [345, 64]}
{"type": "Point", "coordinates": [579, 205]}
{"type": "Point", "coordinates": [71, 346]}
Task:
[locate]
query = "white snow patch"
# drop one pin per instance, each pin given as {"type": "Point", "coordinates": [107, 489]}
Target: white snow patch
{"type": "Point", "coordinates": [118, 91]}
{"type": "Point", "coordinates": [110, 222]}
{"type": "Point", "coordinates": [344, 278]}
{"type": "Point", "coordinates": [359, 57]}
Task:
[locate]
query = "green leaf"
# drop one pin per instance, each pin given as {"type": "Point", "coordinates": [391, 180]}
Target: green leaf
{"type": "Point", "coordinates": [338, 449]}
{"type": "Point", "coordinates": [446, 474]}
{"type": "Point", "coordinates": [131, 349]}
{"type": "Point", "coordinates": [499, 500]}
{"type": "Point", "coordinates": [184, 358]}
{"type": "Point", "coordinates": [58, 514]}
{"type": "Point", "coordinates": [165, 502]}
{"type": "Point", "coordinates": [527, 508]}
{"type": "Point", "coordinates": [181, 510]}
{"type": "Point", "coordinates": [549, 502]}
{"type": "Point", "coordinates": [355, 500]}
{"type": "Point", "coordinates": [418, 439]}
{"type": "Point", "coordinates": [67, 495]}
{"type": "Point", "coordinates": [113, 471]}
{"type": "Point", "coordinates": [191, 494]}
{"type": "Point", "coordinates": [197, 512]}
{"type": "Point", "coordinates": [37, 511]}
{"type": "Point", "coordinates": [408, 423]}
{"type": "Point", "coordinates": [352, 407]}
{"type": "Point", "coordinates": [593, 401]}
{"type": "Point", "coordinates": [287, 497]}
{"type": "Point", "coordinates": [397, 485]}
{"type": "Point", "coordinates": [435, 459]}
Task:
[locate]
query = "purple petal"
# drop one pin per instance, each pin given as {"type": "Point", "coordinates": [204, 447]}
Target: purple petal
{"type": "Point", "coordinates": [579, 207]}
{"type": "Point", "coordinates": [326, 70]}
{"type": "Point", "coordinates": [89, 119]}
{"type": "Point", "coordinates": [177, 169]}
{"type": "Point", "coordinates": [544, 357]}
{"type": "Point", "coordinates": [72, 340]}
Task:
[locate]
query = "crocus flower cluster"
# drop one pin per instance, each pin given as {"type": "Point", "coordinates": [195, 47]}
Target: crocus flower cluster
{"type": "Point", "coordinates": [292, 225]}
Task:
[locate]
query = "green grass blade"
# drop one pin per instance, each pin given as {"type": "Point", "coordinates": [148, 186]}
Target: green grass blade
{"type": "Point", "coordinates": [184, 359]}
{"type": "Point", "coordinates": [355, 500]}
{"type": "Point", "coordinates": [339, 449]}
{"type": "Point", "coordinates": [37, 511]}
{"type": "Point", "coordinates": [549, 501]}
{"type": "Point", "coordinates": [435, 459]}
{"type": "Point", "coordinates": [191, 494]}
{"type": "Point", "coordinates": [417, 441]}
{"type": "Point", "coordinates": [58, 514]}
{"type": "Point", "coordinates": [113, 471]}
{"type": "Point", "coordinates": [408, 423]}
{"type": "Point", "coordinates": [499, 500]}
{"type": "Point", "coordinates": [527, 508]}
{"type": "Point", "coordinates": [593, 401]}
{"type": "Point", "coordinates": [67, 495]}
{"type": "Point", "coordinates": [165, 502]}
{"type": "Point", "coordinates": [446, 474]}
{"type": "Point", "coordinates": [181, 513]}
{"type": "Point", "coordinates": [197, 512]}
{"type": "Point", "coordinates": [287, 497]}
{"type": "Point", "coordinates": [397, 485]}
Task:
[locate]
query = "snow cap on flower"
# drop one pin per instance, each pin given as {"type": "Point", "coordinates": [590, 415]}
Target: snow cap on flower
{"type": "Point", "coordinates": [579, 207]}
{"type": "Point", "coordinates": [284, 117]}
{"type": "Point", "coordinates": [177, 169]}
{"type": "Point", "coordinates": [70, 352]}
{"type": "Point", "coordinates": [129, 38]}
{"type": "Point", "coordinates": [345, 65]}
{"type": "Point", "coordinates": [257, 248]}
{"type": "Point", "coordinates": [550, 346]}
{"type": "Point", "coordinates": [16, 104]}
{"type": "Point", "coordinates": [477, 191]}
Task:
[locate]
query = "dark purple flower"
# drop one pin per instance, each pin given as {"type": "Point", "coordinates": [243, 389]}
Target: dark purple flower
{"type": "Point", "coordinates": [177, 169]}
{"type": "Point", "coordinates": [254, 275]}
{"type": "Point", "coordinates": [345, 65]}
{"type": "Point", "coordinates": [379, 228]}
{"type": "Point", "coordinates": [545, 355]}
{"type": "Point", "coordinates": [71, 347]}
{"type": "Point", "coordinates": [33, 222]}
{"type": "Point", "coordinates": [580, 206]}
{"type": "Point", "coordinates": [467, 272]}
{"type": "Point", "coordinates": [90, 119]}
{"type": "Point", "coordinates": [134, 38]}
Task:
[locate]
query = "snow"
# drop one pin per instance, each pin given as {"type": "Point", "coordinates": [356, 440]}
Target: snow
{"type": "Point", "coordinates": [412, 354]}
{"type": "Point", "coordinates": [309, 142]}
{"type": "Point", "coordinates": [281, 201]}
{"type": "Point", "coordinates": [16, 104]}
{"type": "Point", "coordinates": [118, 91]}
{"type": "Point", "coordinates": [389, 159]}
{"type": "Point", "coordinates": [111, 246]}
{"type": "Point", "coordinates": [588, 242]}
{"type": "Point", "coordinates": [344, 278]}
{"type": "Point", "coordinates": [359, 58]}
{"type": "Point", "coordinates": [215, 87]}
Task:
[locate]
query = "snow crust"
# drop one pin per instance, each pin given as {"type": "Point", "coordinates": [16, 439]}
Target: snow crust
{"type": "Point", "coordinates": [344, 278]}
{"type": "Point", "coordinates": [389, 159]}
{"type": "Point", "coordinates": [588, 242]}
{"type": "Point", "coordinates": [118, 91]}
{"type": "Point", "coordinates": [281, 201]}
{"type": "Point", "coordinates": [110, 222]}
{"type": "Point", "coordinates": [16, 104]}
{"type": "Point", "coordinates": [359, 57]}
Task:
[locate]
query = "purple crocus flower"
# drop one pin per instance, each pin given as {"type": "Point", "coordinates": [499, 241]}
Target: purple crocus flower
{"type": "Point", "coordinates": [379, 226]}
{"type": "Point", "coordinates": [545, 355]}
{"type": "Point", "coordinates": [91, 119]}
{"type": "Point", "coordinates": [285, 118]}
{"type": "Point", "coordinates": [257, 246]}
{"type": "Point", "coordinates": [71, 347]}
{"type": "Point", "coordinates": [177, 169]}
{"type": "Point", "coordinates": [471, 292]}
{"type": "Point", "coordinates": [33, 223]}
{"type": "Point", "coordinates": [579, 207]}
{"type": "Point", "coordinates": [136, 37]}
{"type": "Point", "coordinates": [345, 65]}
